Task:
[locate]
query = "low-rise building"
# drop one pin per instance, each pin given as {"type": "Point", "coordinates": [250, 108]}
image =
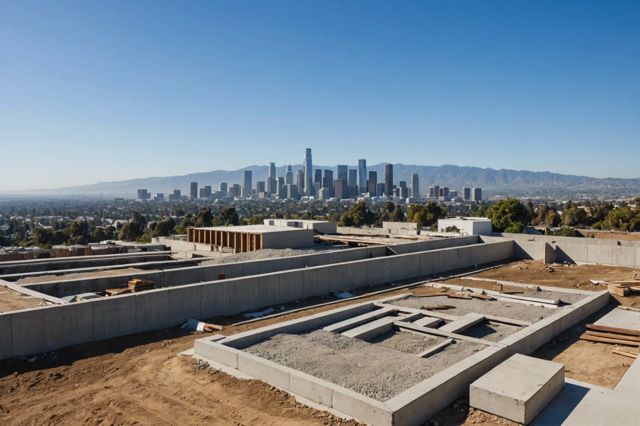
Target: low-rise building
{"type": "Point", "coordinates": [466, 225]}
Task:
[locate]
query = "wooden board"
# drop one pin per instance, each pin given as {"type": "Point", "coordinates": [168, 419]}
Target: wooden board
{"type": "Point", "coordinates": [626, 331]}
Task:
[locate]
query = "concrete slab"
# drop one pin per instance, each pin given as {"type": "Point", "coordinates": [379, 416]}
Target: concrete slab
{"type": "Point", "coordinates": [605, 407]}
{"type": "Point", "coordinates": [435, 348]}
{"type": "Point", "coordinates": [620, 318]}
{"type": "Point", "coordinates": [464, 323]}
{"type": "Point", "coordinates": [517, 389]}
{"type": "Point", "coordinates": [630, 382]}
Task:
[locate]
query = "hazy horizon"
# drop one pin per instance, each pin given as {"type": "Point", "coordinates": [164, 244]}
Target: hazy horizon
{"type": "Point", "coordinates": [98, 92]}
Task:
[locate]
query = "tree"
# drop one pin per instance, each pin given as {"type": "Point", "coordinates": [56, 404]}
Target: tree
{"type": "Point", "coordinates": [358, 215]}
{"type": "Point", "coordinates": [509, 215]}
{"type": "Point", "coordinates": [133, 229]}
{"type": "Point", "coordinates": [229, 216]}
{"type": "Point", "coordinates": [204, 217]}
{"type": "Point", "coordinates": [552, 218]}
{"type": "Point", "coordinates": [426, 215]}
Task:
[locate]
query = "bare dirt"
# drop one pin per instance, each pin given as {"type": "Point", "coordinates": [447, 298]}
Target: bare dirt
{"type": "Point", "coordinates": [11, 300]}
{"type": "Point", "coordinates": [139, 379]}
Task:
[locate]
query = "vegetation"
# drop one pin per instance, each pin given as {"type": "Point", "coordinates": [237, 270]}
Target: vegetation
{"type": "Point", "coordinates": [509, 215]}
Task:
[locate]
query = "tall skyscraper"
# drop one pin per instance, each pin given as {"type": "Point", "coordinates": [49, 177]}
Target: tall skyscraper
{"type": "Point", "coordinates": [372, 184]}
{"type": "Point", "coordinates": [343, 172]}
{"type": "Point", "coordinates": [248, 179]}
{"type": "Point", "coordinates": [466, 194]}
{"type": "Point", "coordinates": [288, 177]}
{"type": "Point", "coordinates": [362, 176]}
{"type": "Point", "coordinates": [194, 190]}
{"type": "Point", "coordinates": [223, 188]}
{"type": "Point", "coordinates": [299, 180]}
{"type": "Point", "coordinates": [340, 189]}
{"type": "Point", "coordinates": [388, 180]}
{"type": "Point", "coordinates": [271, 180]}
{"type": "Point", "coordinates": [327, 183]}
{"type": "Point", "coordinates": [353, 178]}
{"type": "Point", "coordinates": [476, 194]}
{"type": "Point", "coordinates": [308, 170]}
{"type": "Point", "coordinates": [415, 186]}
{"type": "Point", "coordinates": [317, 177]}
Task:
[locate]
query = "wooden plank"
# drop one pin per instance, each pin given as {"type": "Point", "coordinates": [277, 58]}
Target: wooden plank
{"type": "Point", "coordinates": [481, 296]}
{"type": "Point", "coordinates": [437, 307]}
{"type": "Point", "coordinates": [625, 353]}
{"type": "Point", "coordinates": [458, 296]}
{"type": "Point", "coordinates": [617, 290]}
{"type": "Point", "coordinates": [629, 308]}
{"type": "Point", "coordinates": [612, 341]}
{"type": "Point", "coordinates": [626, 331]}
{"type": "Point", "coordinates": [613, 336]}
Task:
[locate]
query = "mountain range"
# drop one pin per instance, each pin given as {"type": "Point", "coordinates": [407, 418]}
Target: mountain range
{"type": "Point", "coordinates": [494, 182]}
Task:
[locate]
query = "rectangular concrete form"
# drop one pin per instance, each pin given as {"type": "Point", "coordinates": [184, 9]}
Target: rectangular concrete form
{"type": "Point", "coordinates": [518, 389]}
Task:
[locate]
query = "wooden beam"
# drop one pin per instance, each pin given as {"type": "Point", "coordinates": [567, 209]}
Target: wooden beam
{"type": "Point", "coordinates": [626, 331]}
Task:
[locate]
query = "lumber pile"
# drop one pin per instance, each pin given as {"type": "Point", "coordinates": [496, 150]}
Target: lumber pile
{"type": "Point", "coordinates": [611, 335]}
{"type": "Point", "coordinates": [117, 291]}
{"type": "Point", "coordinates": [138, 284]}
{"type": "Point", "coordinates": [624, 288]}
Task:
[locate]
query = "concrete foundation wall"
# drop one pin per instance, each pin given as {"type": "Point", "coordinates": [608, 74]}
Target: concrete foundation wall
{"type": "Point", "coordinates": [52, 264]}
{"type": "Point", "coordinates": [44, 329]}
{"type": "Point", "coordinates": [578, 250]}
{"type": "Point", "coordinates": [195, 274]}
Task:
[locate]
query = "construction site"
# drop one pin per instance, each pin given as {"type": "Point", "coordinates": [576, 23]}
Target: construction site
{"type": "Point", "coordinates": [339, 328]}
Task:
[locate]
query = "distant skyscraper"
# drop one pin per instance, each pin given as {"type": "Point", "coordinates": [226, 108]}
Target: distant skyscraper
{"type": "Point", "coordinates": [143, 194]}
{"type": "Point", "coordinates": [299, 181]}
{"type": "Point", "coordinates": [317, 177]}
{"type": "Point", "coordinates": [353, 178]}
{"type": "Point", "coordinates": [403, 190]}
{"type": "Point", "coordinates": [415, 186]}
{"type": "Point", "coordinates": [248, 183]}
{"type": "Point", "coordinates": [261, 186]}
{"type": "Point", "coordinates": [372, 184]}
{"type": "Point", "coordinates": [194, 190]}
{"type": "Point", "coordinates": [388, 180]}
{"type": "Point", "coordinates": [271, 179]}
{"type": "Point", "coordinates": [223, 188]}
{"type": "Point", "coordinates": [340, 189]}
{"type": "Point", "coordinates": [343, 172]}
{"type": "Point", "coordinates": [308, 170]}
{"type": "Point", "coordinates": [288, 177]}
{"type": "Point", "coordinates": [466, 194]}
{"type": "Point", "coordinates": [205, 192]}
{"type": "Point", "coordinates": [362, 176]}
{"type": "Point", "coordinates": [476, 194]}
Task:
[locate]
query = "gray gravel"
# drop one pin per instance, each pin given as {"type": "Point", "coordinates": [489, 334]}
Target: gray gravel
{"type": "Point", "coordinates": [410, 343]}
{"type": "Point", "coordinates": [370, 369]}
{"type": "Point", "coordinates": [514, 310]}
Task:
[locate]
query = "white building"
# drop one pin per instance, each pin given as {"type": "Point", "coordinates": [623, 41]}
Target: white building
{"type": "Point", "coordinates": [466, 225]}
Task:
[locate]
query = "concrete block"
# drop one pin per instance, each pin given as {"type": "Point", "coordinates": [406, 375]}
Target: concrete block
{"type": "Point", "coordinates": [6, 346]}
{"type": "Point", "coordinates": [365, 409]}
{"type": "Point", "coordinates": [216, 352]}
{"type": "Point", "coordinates": [311, 388]}
{"type": "Point", "coordinates": [115, 316]}
{"type": "Point", "coordinates": [464, 323]}
{"type": "Point", "coordinates": [518, 389]}
{"type": "Point", "coordinates": [620, 318]}
{"type": "Point", "coordinates": [435, 348]}
{"type": "Point", "coordinates": [263, 369]}
{"type": "Point", "coordinates": [377, 327]}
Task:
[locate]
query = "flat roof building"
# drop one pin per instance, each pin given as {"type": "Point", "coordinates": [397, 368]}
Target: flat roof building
{"type": "Point", "coordinates": [466, 225]}
{"type": "Point", "coordinates": [240, 239]}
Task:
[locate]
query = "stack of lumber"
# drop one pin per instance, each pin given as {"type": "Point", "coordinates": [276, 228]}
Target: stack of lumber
{"type": "Point", "coordinates": [612, 335]}
{"type": "Point", "coordinates": [624, 288]}
{"type": "Point", "coordinates": [138, 284]}
{"type": "Point", "coordinates": [117, 291]}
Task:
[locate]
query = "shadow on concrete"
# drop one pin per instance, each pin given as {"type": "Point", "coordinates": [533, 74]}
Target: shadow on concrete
{"type": "Point", "coordinates": [562, 405]}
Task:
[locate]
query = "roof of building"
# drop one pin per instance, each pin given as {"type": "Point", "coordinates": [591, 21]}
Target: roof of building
{"type": "Point", "coordinates": [255, 229]}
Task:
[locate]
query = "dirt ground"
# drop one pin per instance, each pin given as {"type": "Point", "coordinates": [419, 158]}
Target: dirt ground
{"type": "Point", "coordinates": [139, 379]}
{"type": "Point", "coordinates": [11, 300]}
{"type": "Point", "coordinates": [610, 235]}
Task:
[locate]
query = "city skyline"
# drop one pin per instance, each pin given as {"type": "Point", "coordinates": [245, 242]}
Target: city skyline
{"type": "Point", "coordinates": [209, 85]}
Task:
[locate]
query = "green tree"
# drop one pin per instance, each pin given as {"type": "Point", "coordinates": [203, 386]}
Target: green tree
{"type": "Point", "coordinates": [229, 216]}
{"type": "Point", "coordinates": [204, 218]}
{"type": "Point", "coordinates": [426, 215]}
{"type": "Point", "coordinates": [358, 215]}
{"type": "Point", "coordinates": [509, 215]}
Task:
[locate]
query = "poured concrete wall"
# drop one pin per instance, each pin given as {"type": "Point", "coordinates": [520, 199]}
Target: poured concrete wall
{"type": "Point", "coordinates": [189, 275]}
{"type": "Point", "coordinates": [44, 329]}
{"type": "Point", "coordinates": [52, 264]}
{"type": "Point", "coordinates": [581, 250]}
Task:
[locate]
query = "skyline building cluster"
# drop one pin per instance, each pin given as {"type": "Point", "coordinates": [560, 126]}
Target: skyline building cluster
{"type": "Point", "coordinates": [307, 182]}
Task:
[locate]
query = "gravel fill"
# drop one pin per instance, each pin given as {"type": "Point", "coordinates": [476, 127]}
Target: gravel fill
{"type": "Point", "coordinates": [370, 369]}
{"type": "Point", "coordinates": [410, 343]}
{"type": "Point", "coordinates": [514, 310]}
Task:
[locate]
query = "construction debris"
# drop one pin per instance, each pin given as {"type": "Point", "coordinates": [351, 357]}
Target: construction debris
{"type": "Point", "coordinates": [625, 353]}
{"type": "Point", "coordinates": [437, 307]}
{"type": "Point", "coordinates": [138, 284]}
{"type": "Point", "coordinates": [459, 295]}
{"type": "Point", "coordinates": [200, 326]}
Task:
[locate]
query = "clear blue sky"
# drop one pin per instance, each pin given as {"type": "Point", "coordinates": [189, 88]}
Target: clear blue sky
{"type": "Point", "coordinates": [107, 90]}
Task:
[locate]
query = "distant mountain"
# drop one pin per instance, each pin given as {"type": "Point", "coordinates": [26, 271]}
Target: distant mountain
{"type": "Point", "coordinates": [493, 182]}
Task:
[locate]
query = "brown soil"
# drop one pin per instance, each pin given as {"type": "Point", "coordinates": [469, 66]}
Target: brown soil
{"type": "Point", "coordinates": [11, 300]}
{"type": "Point", "coordinates": [139, 379]}
{"type": "Point", "coordinates": [610, 235]}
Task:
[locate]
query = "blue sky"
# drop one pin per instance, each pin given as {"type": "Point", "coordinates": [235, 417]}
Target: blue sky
{"type": "Point", "coordinates": [93, 91]}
